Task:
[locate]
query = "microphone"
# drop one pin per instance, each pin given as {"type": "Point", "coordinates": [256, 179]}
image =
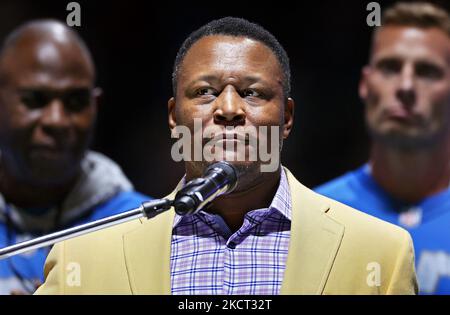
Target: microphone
{"type": "Point", "coordinates": [218, 179]}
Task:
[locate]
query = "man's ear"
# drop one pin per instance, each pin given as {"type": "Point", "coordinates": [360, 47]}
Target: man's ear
{"type": "Point", "coordinates": [288, 117]}
{"type": "Point", "coordinates": [363, 89]}
{"type": "Point", "coordinates": [171, 104]}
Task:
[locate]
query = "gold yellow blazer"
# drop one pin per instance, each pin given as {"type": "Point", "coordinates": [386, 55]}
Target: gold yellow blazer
{"type": "Point", "coordinates": [333, 249]}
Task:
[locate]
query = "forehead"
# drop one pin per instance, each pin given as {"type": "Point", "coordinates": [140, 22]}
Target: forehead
{"type": "Point", "coordinates": [412, 42]}
{"type": "Point", "coordinates": [224, 56]}
{"type": "Point", "coordinates": [35, 62]}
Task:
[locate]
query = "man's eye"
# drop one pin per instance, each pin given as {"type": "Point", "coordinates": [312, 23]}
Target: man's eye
{"type": "Point", "coordinates": [429, 71]}
{"type": "Point", "coordinates": [34, 99]}
{"type": "Point", "coordinates": [206, 91]}
{"type": "Point", "coordinates": [389, 67]}
{"type": "Point", "coordinates": [249, 92]}
{"type": "Point", "coordinates": [77, 100]}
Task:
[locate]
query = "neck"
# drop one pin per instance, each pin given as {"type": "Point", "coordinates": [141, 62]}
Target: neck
{"type": "Point", "coordinates": [232, 208]}
{"type": "Point", "coordinates": [414, 175]}
{"type": "Point", "coordinates": [28, 195]}
{"type": "Point", "coordinates": [255, 191]}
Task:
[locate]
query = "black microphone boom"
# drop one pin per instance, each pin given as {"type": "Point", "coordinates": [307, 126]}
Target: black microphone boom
{"type": "Point", "coordinates": [219, 178]}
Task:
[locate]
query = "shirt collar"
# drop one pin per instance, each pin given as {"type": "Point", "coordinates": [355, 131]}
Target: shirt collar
{"type": "Point", "coordinates": [282, 199]}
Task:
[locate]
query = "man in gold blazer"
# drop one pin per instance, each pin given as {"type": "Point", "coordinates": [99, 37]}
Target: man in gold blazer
{"type": "Point", "coordinates": [271, 235]}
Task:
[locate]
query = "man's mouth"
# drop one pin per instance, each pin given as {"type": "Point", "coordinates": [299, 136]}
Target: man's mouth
{"type": "Point", "coordinates": [231, 137]}
{"type": "Point", "coordinates": [401, 115]}
{"type": "Point", "coordinates": [47, 152]}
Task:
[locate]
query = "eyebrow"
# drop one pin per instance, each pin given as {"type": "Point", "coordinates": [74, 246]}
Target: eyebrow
{"type": "Point", "coordinates": [52, 89]}
{"type": "Point", "coordinates": [250, 79]}
{"type": "Point", "coordinates": [420, 60]}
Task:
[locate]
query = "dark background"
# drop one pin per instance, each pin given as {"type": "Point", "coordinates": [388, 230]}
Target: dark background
{"type": "Point", "coordinates": [135, 42]}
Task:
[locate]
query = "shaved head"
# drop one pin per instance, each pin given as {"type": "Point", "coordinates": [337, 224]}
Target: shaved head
{"type": "Point", "coordinates": [48, 40]}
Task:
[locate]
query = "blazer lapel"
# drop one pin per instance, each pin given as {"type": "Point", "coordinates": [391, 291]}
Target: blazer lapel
{"type": "Point", "coordinates": [314, 243]}
{"type": "Point", "coordinates": [147, 254]}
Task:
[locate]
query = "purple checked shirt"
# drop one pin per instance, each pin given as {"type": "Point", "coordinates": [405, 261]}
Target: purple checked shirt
{"type": "Point", "coordinates": [207, 258]}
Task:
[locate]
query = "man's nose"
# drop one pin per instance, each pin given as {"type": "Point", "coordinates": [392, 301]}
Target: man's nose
{"type": "Point", "coordinates": [406, 91]}
{"type": "Point", "coordinates": [230, 108]}
{"type": "Point", "coordinates": [54, 116]}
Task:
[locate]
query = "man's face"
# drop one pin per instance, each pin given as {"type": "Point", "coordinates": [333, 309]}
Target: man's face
{"type": "Point", "coordinates": [228, 82]}
{"type": "Point", "coordinates": [406, 87]}
{"type": "Point", "coordinates": [47, 111]}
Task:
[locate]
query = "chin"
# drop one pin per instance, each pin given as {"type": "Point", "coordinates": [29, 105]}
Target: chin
{"type": "Point", "coordinates": [406, 141]}
{"type": "Point", "coordinates": [244, 166]}
{"type": "Point", "coordinates": [197, 168]}
{"type": "Point", "coordinates": [51, 176]}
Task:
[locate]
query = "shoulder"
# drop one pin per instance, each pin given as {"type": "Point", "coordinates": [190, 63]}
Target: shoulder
{"type": "Point", "coordinates": [109, 241]}
{"type": "Point", "coordinates": [127, 198]}
{"type": "Point", "coordinates": [372, 247]}
{"type": "Point", "coordinates": [365, 242]}
{"type": "Point", "coordinates": [122, 201]}
{"type": "Point", "coordinates": [363, 224]}
{"type": "Point", "coordinates": [340, 187]}
{"type": "Point", "coordinates": [357, 224]}
{"type": "Point", "coordinates": [338, 183]}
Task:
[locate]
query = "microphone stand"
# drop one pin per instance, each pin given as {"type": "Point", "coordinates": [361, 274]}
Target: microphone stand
{"type": "Point", "coordinates": [219, 178]}
{"type": "Point", "coordinates": [148, 209]}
